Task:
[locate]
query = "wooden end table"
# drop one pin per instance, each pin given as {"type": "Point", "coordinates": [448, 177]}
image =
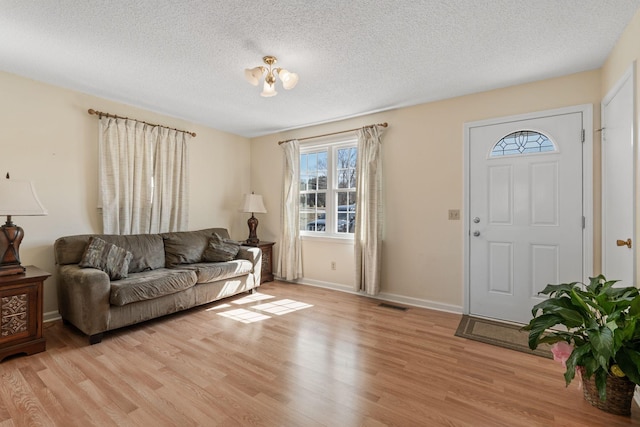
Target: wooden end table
{"type": "Point", "coordinates": [21, 312]}
{"type": "Point", "coordinates": [266, 274]}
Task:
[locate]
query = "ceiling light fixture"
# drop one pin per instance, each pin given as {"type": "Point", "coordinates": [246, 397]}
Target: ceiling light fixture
{"type": "Point", "coordinates": [289, 80]}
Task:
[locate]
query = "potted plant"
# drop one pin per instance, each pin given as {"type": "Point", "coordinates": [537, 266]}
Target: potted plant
{"type": "Point", "coordinates": [596, 330]}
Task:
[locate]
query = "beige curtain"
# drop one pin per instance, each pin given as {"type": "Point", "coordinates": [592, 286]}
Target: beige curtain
{"type": "Point", "coordinates": [142, 177]}
{"type": "Point", "coordinates": [170, 207]}
{"type": "Point", "coordinates": [368, 231]}
{"type": "Point", "coordinates": [290, 259]}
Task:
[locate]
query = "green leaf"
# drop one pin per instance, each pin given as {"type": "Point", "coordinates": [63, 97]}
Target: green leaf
{"type": "Point", "coordinates": [628, 360]}
{"type": "Point", "coordinates": [595, 283]}
{"type": "Point", "coordinates": [555, 337]}
{"type": "Point", "coordinates": [574, 360]}
{"type": "Point", "coordinates": [601, 383]}
{"type": "Point", "coordinates": [635, 307]}
{"type": "Point", "coordinates": [578, 299]}
{"type": "Point", "coordinates": [572, 318]}
{"type": "Point", "coordinates": [563, 288]}
{"type": "Point", "coordinates": [538, 325]}
{"type": "Point", "coordinates": [602, 343]}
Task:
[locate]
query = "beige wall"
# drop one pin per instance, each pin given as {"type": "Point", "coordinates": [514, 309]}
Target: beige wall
{"type": "Point", "coordinates": [48, 137]}
{"type": "Point", "coordinates": [625, 53]}
{"type": "Point", "coordinates": [423, 179]}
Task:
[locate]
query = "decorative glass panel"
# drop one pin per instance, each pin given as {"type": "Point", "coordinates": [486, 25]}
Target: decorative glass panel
{"type": "Point", "coordinates": [522, 142]}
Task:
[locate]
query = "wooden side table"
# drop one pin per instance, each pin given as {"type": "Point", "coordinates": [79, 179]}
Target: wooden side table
{"type": "Point", "coordinates": [21, 312]}
{"type": "Point", "coordinates": [267, 260]}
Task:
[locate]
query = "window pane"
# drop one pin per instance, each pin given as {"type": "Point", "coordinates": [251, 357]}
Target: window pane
{"type": "Point", "coordinates": [322, 180]}
{"type": "Point", "coordinates": [346, 212]}
{"type": "Point", "coordinates": [313, 162]}
{"type": "Point", "coordinates": [346, 167]}
{"type": "Point", "coordinates": [312, 221]}
{"type": "Point", "coordinates": [522, 142]}
{"type": "Point", "coordinates": [352, 178]}
{"type": "Point", "coordinates": [343, 179]}
{"type": "Point", "coordinates": [322, 160]}
{"type": "Point", "coordinates": [353, 157]}
{"type": "Point", "coordinates": [322, 200]}
{"type": "Point", "coordinates": [312, 183]}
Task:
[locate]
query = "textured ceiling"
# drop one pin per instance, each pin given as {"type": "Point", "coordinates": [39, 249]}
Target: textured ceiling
{"type": "Point", "coordinates": [186, 58]}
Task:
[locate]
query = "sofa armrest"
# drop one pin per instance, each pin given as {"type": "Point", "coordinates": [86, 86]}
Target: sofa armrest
{"type": "Point", "coordinates": [254, 255]}
{"type": "Point", "coordinates": [83, 298]}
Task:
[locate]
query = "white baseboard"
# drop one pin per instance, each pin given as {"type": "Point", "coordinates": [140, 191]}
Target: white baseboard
{"type": "Point", "coordinates": [50, 316]}
{"type": "Point", "coordinates": [418, 302]}
{"type": "Point", "coordinates": [415, 302]}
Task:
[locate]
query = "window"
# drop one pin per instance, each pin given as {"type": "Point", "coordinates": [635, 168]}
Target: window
{"type": "Point", "coordinates": [522, 142]}
{"type": "Point", "coordinates": [328, 189]}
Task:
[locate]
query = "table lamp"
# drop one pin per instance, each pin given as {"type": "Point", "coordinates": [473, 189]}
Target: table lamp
{"type": "Point", "coordinates": [253, 203]}
{"type": "Point", "coordinates": [17, 198]}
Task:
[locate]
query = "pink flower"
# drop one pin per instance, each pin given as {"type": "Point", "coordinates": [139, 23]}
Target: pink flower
{"type": "Point", "coordinates": [561, 352]}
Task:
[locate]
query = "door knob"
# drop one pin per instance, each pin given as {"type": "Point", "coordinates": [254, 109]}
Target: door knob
{"type": "Point", "coordinates": [476, 220]}
{"type": "Point", "coordinates": [626, 243]}
{"type": "Point", "coordinates": [476, 233]}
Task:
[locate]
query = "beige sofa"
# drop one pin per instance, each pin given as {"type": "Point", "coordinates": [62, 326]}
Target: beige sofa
{"type": "Point", "coordinates": [165, 275]}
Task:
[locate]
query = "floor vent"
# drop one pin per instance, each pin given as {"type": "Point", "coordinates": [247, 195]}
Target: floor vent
{"type": "Point", "coordinates": [393, 306]}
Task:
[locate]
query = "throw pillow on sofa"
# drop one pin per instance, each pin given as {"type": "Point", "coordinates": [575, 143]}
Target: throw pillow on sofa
{"type": "Point", "coordinates": [184, 247]}
{"type": "Point", "coordinates": [220, 249]}
{"type": "Point", "coordinates": [107, 257]}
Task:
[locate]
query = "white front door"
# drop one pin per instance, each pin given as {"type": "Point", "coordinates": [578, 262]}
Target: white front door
{"type": "Point", "coordinates": [618, 245]}
{"type": "Point", "coordinates": [525, 212]}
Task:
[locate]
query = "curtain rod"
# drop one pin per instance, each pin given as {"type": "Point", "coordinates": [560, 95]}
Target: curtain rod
{"type": "Point", "coordinates": [384, 125]}
{"type": "Point", "coordinates": [100, 114]}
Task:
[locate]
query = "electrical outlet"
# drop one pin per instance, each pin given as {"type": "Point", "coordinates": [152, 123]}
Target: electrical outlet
{"type": "Point", "coordinates": [454, 214]}
{"type": "Point", "coordinates": [333, 265]}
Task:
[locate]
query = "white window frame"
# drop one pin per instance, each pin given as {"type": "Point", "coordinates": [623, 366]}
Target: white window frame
{"type": "Point", "coordinates": [331, 217]}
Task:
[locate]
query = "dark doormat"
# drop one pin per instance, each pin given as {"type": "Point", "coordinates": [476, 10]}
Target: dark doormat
{"type": "Point", "coordinates": [501, 334]}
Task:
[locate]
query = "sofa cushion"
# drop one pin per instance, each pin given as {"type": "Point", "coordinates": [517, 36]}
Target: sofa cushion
{"type": "Point", "coordinates": [220, 249]}
{"type": "Point", "coordinates": [185, 247]}
{"type": "Point", "coordinates": [107, 257]}
{"type": "Point", "coordinates": [211, 272]}
{"type": "Point", "coordinates": [150, 284]}
{"type": "Point", "coordinates": [147, 250]}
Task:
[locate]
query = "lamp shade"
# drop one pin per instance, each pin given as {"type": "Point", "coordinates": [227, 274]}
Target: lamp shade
{"type": "Point", "coordinates": [268, 90]}
{"type": "Point", "coordinates": [253, 203]}
{"type": "Point", "coordinates": [289, 80]}
{"type": "Point", "coordinates": [19, 198]}
{"type": "Point", "coordinates": [252, 75]}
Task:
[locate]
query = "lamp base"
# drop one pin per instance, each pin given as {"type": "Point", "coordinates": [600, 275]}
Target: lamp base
{"type": "Point", "coordinates": [253, 228]}
{"type": "Point", "coordinates": [10, 238]}
{"type": "Point", "coordinates": [9, 270]}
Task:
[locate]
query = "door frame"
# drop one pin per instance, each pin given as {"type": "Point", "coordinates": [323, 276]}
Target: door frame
{"type": "Point", "coordinates": [587, 186]}
{"type": "Point", "coordinates": [630, 74]}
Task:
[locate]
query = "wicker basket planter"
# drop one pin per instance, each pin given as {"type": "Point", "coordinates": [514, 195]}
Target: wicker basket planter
{"type": "Point", "coordinates": [619, 394]}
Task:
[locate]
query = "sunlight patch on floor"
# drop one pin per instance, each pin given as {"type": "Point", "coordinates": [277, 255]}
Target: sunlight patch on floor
{"type": "Point", "coordinates": [253, 298]}
{"type": "Point", "coordinates": [219, 307]}
{"type": "Point", "coordinates": [281, 307]}
{"type": "Point", "coordinates": [253, 313]}
{"type": "Point", "coordinates": [244, 316]}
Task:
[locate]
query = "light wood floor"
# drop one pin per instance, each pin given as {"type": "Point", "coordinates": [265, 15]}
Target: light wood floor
{"type": "Point", "coordinates": [338, 360]}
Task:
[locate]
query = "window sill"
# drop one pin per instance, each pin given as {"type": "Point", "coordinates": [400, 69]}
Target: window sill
{"type": "Point", "coordinates": [328, 239]}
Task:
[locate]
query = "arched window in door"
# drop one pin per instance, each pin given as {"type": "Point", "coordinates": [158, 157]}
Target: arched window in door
{"type": "Point", "coordinates": [523, 142]}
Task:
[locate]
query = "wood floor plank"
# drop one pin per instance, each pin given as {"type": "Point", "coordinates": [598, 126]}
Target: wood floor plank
{"type": "Point", "coordinates": [318, 358]}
